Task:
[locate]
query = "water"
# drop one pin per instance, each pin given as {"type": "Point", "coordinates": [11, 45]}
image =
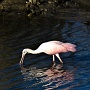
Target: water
{"type": "Point", "coordinates": [38, 72]}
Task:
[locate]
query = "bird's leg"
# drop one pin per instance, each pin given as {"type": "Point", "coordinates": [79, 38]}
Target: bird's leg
{"type": "Point", "coordinates": [53, 63]}
{"type": "Point", "coordinates": [57, 55]}
{"type": "Point", "coordinates": [54, 60]}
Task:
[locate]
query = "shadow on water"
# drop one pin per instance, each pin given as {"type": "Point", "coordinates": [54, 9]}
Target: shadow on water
{"type": "Point", "coordinates": [20, 32]}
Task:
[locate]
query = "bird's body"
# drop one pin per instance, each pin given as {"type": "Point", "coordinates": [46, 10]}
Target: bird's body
{"type": "Point", "coordinates": [51, 48]}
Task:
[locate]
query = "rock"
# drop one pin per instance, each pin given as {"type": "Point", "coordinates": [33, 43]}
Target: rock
{"type": "Point", "coordinates": [38, 7]}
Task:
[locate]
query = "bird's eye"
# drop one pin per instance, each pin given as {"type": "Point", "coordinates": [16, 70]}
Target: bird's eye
{"type": "Point", "coordinates": [24, 52]}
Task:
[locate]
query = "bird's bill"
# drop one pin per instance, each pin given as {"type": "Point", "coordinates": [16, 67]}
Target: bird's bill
{"type": "Point", "coordinates": [22, 58]}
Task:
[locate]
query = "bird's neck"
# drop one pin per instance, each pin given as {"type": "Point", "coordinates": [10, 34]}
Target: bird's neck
{"type": "Point", "coordinates": [32, 51]}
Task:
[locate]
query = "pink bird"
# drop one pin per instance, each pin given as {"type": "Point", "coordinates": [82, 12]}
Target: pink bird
{"type": "Point", "coordinates": [51, 48]}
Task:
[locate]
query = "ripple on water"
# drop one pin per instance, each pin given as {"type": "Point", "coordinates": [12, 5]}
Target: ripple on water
{"type": "Point", "coordinates": [37, 73]}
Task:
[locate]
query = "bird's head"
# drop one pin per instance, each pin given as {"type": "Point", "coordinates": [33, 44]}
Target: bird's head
{"type": "Point", "coordinates": [24, 52]}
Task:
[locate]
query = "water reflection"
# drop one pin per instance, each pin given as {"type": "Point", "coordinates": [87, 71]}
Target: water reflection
{"type": "Point", "coordinates": [50, 79]}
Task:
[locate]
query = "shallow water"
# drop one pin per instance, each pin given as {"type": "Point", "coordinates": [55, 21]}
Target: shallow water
{"type": "Point", "coordinates": [38, 72]}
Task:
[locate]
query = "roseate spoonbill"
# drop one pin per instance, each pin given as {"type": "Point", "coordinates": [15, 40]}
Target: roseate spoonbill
{"type": "Point", "coordinates": [51, 48]}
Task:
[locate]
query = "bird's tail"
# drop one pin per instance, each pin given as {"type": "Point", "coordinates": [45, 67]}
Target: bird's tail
{"type": "Point", "coordinates": [70, 47]}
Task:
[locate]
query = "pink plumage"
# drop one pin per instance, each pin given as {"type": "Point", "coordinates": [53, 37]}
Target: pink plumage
{"type": "Point", "coordinates": [69, 47]}
{"type": "Point", "coordinates": [51, 48]}
{"type": "Point", "coordinates": [54, 47]}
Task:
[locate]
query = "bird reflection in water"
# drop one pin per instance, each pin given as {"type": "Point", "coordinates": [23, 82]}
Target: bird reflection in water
{"type": "Point", "coordinates": [58, 76]}
{"type": "Point", "coordinates": [50, 79]}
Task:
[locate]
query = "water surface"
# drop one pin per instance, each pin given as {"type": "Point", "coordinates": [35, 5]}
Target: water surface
{"type": "Point", "coordinates": [38, 72]}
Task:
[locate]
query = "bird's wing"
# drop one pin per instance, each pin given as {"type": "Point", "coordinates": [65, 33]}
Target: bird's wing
{"type": "Point", "coordinates": [56, 42]}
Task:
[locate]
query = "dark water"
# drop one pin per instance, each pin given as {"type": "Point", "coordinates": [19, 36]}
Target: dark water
{"type": "Point", "coordinates": [17, 33]}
